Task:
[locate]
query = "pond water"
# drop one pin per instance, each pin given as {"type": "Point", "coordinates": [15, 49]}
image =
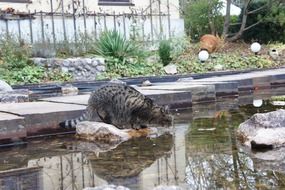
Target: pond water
{"type": "Point", "coordinates": [202, 153]}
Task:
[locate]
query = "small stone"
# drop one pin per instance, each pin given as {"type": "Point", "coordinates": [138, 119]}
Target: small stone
{"type": "Point", "coordinates": [101, 61]}
{"type": "Point", "coordinates": [218, 67]}
{"type": "Point", "coordinates": [64, 69]}
{"type": "Point", "coordinates": [88, 60]}
{"type": "Point", "coordinates": [69, 90]}
{"type": "Point", "coordinates": [101, 68]}
{"type": "Point", "coordinates": [170, 69]}
{"type": "Point", "coordinates": [117, 81]}
{"type": "Point", "coordinates": [188, 79]}
{"type": "Point", "coordinates": [146, 83]}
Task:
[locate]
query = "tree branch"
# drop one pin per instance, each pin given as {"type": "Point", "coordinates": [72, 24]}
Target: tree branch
{"type": "Point", "coordinates": [249, 27]}
{"type": "Point", "coordinates": [256, 10]}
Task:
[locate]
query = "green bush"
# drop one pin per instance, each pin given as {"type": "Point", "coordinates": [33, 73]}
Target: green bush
{"type": "Point", "coordinates": [16, 68]}
{"type": "Point", "coordinates": [271, 29]}
{"type": "Point", "coordinates": [179, 46]}
{"type": "Point", "coordinates": [13, 55]}
{"type": "Point", "coordinates": [112, 43]}
{"type": "Point", "coordinates": [203, 17]}
{"type": "Point", "coordinates": [164, 52]}
{"type": "Point", "coordinates": [130, 68]}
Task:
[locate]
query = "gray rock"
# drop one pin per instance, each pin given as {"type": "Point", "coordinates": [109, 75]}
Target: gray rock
{"type": "Point", "coordinates": [5, 86]}
{"type": "Point", "coordinates": [69, 90]}
{"type": "Point", "coordinates": [101, 68]}
{"type": "Point", "coordinates": [99, 131]}
{"type": "Point", "coordinates": [107, 187]}
{"type": "Point", "coordinates": [65, 69]}
{"type": "Point", "coordinates": [79, 68]}
{"type": "Point", "coordinates": [188, 79]}
{"type": "Point", "coordinates": [88, 61]}
{"type": "Point", "coordinates": [161, 187]}
{"type": "Point", "coordinates": [117, 81]}
{"type": "Point", "coordinates": [146, 83]}
{"type": "Point", "coordinates": [170, 69]}
{"type": "Point", "coordinates": [15, 96]}
{"type": "Point", "coordinates": [263, 130]}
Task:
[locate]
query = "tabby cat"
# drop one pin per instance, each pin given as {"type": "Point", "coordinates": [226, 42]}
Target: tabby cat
{"type": "Point", "coordinates": [122, 106]}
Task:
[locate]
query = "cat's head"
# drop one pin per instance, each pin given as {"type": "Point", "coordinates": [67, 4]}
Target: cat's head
{"type": "Point", "coordinates": [161, 116]}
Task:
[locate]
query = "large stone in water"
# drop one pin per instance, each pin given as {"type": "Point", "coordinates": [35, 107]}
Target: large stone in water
{"type": "Point", "coordinates": [107, 187]}
{"type": "Point", "coordinates": [98, 131]}
{"type": "Point", "coordinates": [113, 187]}
{"type": "Point", "coordinates": [263, 130]}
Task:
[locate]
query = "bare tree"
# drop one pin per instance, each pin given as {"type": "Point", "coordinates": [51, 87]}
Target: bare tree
{"type": "Point", "coordinates": [244, 15]}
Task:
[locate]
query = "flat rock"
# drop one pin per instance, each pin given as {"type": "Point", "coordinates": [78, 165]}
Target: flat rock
{"type": "Point", "coordinates": [107, 187]}
{"type": "Point", "coordinates": [99, 131]}
{"type": "Point", "coordinates": [170, 69]}
{"type": "Point", "coordinates": [263, 130]}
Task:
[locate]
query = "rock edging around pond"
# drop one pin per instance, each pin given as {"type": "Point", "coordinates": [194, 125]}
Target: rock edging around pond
{"type": "Point", "coordinates": [80, 68]}
{"type": "Point", "coordinates": [263, 130]}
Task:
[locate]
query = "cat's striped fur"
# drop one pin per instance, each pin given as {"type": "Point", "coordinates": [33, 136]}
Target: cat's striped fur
{"type": "Point", "coordinates": [122, 106]}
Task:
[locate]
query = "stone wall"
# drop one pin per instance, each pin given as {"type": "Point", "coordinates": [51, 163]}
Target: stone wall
{"type": "Point", "coordinates": [79, 68]}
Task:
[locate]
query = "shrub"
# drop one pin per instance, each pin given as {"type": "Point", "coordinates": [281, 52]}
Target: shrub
{"type": "Point", "coordinates": [164, 52]}
{"type": "Point", "coordinates": [271, 28]}
{"type": "Point", "coordinates": [112, 43]}
{"type": "Point", "coordinates": [203, 17]}
{"type": "Point", "coordinates": [14, 55]}
{"type": "Point", "coordinates": [130, 68]}
{"type": "Point", "coordinates": [16, 68]}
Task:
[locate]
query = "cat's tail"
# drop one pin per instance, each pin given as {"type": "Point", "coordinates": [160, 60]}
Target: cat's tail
{"type": "Point", "coordinates": [71, 124]}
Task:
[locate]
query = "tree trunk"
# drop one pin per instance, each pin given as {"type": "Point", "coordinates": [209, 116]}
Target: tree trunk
{"type": "Point", "coordinates": [227, 19]}
{"type": "Point", "coordinates": [243, 22]}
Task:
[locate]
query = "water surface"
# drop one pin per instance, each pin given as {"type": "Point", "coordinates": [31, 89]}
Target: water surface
{"type": "Point", "coordinates": [201, 153]}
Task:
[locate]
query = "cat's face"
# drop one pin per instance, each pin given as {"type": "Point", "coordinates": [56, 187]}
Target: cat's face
{"type": "Point", "coordinates": [161, 116]}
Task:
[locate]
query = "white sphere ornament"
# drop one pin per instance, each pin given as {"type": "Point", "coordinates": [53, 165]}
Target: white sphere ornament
{"type": "Point", "coordinates": [203, 55]}
{"type": "Point", "coordinates": [257, 103]}
{"type": "Point", "coordinates": [255, 47]}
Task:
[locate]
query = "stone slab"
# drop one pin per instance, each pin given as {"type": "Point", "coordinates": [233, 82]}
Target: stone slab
{"type": "Point", "coordinates": [78, 99]}
{"type": "Point", "coordinates": [43, 117]}
{"type": "Point", "coordinates": [11, 128]}
{"type": "Point", "coordinates": [199, 93]}
{"type": "Point", "coordinates": [161, 97]}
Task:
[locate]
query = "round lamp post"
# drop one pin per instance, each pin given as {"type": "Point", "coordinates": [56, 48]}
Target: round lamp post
{"type": "Point", "coordinates": [255, 47]}
{"type": "Point", "coordinates": [203, 55]}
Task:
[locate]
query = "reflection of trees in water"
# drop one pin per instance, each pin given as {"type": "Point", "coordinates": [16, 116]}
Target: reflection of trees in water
{"type": "Point", "coordinates": [129, 159]}
{"type": "Point", "coordinates": [214, 160]}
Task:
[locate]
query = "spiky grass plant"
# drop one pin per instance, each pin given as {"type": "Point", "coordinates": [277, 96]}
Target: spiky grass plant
{"type": "Point", "coordinates": [112, 43]}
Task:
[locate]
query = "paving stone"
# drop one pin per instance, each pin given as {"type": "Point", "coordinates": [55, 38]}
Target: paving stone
{"type": "Point", "coordinates": [199, 93]}
{"type": "Point", "coordinates": [11, 127]}
{"type": "Point", "coordinates": [78, 99]}
{"type": "Point", "coordinates": [43, 117]}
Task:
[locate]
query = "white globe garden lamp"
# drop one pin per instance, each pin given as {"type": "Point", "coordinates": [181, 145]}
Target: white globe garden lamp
{"type": "Point", "coordinates": [203, 55]}
{"type": "Point", "coordinates": [257, 103]}
{"type": "Point", "coordinates": [255, 47]}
